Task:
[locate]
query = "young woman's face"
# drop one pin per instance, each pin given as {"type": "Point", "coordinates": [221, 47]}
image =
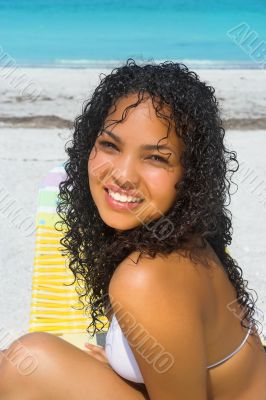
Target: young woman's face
{"type": "Point", "coordinates": [131, 182]}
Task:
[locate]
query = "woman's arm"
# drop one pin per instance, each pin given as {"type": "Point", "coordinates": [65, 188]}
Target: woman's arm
{"type": "Point", "coordinates": [158, 308]}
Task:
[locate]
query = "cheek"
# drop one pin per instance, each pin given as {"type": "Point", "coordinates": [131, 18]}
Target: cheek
{"type": "Point", "coordinates": [161, 187]}
{"type": "Point", "coordinates": [162, 183]}
{"type": "Point", "coordinates": [98, 164]}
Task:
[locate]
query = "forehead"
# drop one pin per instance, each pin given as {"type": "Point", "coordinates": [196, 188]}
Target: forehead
{"type": "Point", "coordinates": [141, 119]}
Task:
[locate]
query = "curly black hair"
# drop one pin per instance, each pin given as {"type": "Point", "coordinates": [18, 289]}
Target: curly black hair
{"type": "Point", "coordinates": [93, 248]}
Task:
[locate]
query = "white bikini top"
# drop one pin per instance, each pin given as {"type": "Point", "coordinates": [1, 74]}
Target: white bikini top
{"type": "Point", "coordinates": [122, 359]}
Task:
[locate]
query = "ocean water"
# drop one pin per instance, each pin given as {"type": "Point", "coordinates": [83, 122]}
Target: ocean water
{"type": "Point", "coordinates": [81, 33]}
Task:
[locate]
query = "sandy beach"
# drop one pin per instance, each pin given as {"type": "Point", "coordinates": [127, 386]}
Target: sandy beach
{"type": "Point", "coordinates": [32, 137]}
{"type": "Point", "coordinates": [58, 95]}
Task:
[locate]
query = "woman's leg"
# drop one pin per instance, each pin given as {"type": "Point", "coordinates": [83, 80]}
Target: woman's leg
{"type": "Point", "coordinates": [41, 366]}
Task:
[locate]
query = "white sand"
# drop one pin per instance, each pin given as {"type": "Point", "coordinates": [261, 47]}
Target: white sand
{"type": "Point", "coordinates": [62, 91]}
{"type": "Point", "coordinates": [26, 156]}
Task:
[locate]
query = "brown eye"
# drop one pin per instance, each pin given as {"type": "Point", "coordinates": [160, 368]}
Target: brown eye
{"type": "Point", "coordinates": [159, 158]}
{"type": "Point", "coordinates": [105, 143]}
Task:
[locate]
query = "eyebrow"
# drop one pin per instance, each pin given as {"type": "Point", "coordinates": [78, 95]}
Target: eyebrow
{"type": "Point", "coordinates": [145, 146]}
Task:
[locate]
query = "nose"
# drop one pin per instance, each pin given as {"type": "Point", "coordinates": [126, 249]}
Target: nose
{"type": "Point", "coordinates": [125, 173]}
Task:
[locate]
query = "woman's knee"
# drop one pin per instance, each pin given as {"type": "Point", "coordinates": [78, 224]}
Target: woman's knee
{"type": "Point", "coordinates": [22, 358]}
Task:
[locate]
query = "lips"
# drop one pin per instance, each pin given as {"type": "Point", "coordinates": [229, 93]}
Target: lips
{"type": "Point", "coordinates": [119, 205]}
{"type": "Point", "coordinates": [128, 193]}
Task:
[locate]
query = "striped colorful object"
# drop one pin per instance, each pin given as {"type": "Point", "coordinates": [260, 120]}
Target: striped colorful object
{"type": "Point", "coordinates": [54, 306]}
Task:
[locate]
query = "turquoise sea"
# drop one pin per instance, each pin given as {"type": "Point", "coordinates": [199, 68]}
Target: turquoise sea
{"type": "Point", "coordinates": [81, 33]}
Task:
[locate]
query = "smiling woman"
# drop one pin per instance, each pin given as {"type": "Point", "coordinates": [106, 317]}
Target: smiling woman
{"type": "Point", "coordinates": [146, 230]}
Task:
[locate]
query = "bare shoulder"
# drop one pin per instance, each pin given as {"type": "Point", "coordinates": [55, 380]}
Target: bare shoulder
{"type": "Point", "coordinates": [174, 276]}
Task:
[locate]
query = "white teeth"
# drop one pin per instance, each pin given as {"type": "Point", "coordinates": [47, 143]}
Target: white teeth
{"type": "Point", "coordinates": [123, 198]}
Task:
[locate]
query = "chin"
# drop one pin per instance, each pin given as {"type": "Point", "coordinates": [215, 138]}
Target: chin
{"type": "Point", "coordinates": [120, 222]}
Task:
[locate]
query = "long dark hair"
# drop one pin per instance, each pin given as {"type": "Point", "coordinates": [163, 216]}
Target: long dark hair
{"type": "Point", "coordinates": [94, 249]}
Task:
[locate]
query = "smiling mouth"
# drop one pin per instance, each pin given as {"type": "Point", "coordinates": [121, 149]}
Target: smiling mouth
{"type": "Point", "coordinates": [123, 199]}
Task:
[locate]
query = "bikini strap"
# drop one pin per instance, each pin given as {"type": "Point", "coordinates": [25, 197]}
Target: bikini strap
{"type": "Point", "coordinates": [233, 353]}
